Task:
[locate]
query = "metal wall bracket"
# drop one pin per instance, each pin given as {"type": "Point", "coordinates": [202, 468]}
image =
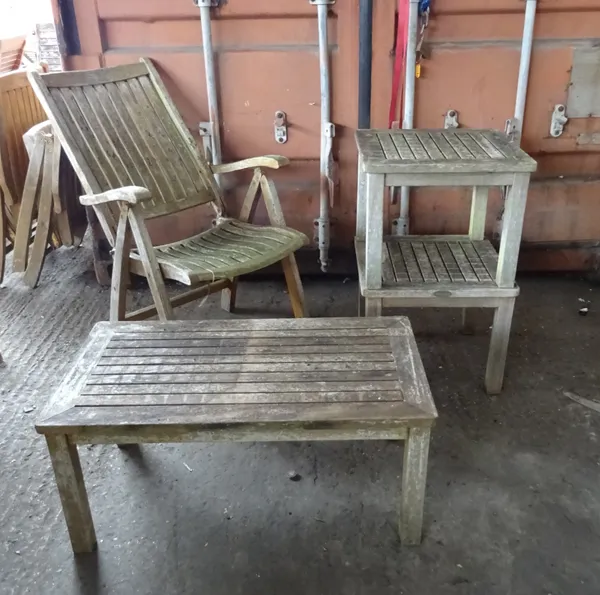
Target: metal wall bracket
{"type": "Point", "coordinates": [451, 119]}
{"type": "Point", "coordinates": [280, 127]}
{"type": "Point", "coordinates": [512, 129]}
{"type": "Point", "coordinates": [209, 3]}
{"type": "Point", "coordinates": [205, 131]}
{"type": "Point", "coordinates": [559, 119]}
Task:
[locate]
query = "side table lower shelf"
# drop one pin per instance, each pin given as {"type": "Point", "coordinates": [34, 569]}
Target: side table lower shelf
{"type": "Point", "coordinates": [451, 272]}
{"type": "Point", "coordinates": [444, 272]}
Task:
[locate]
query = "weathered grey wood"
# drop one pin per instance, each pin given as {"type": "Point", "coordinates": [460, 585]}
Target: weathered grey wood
{"type": "Point", "coordinates": [25, 220]}
{"type": "Point", "coordinates": [44, 214]}
{"type": "Point", "coordinates": [290, 268]}
{"type": "Point", "coordinates": [361, 201]}
{"type": "Point", "coordinates": [120, 272]}
{"type": "Point", "coordinates": [150, 262]}
{"type": "Point", "coordinates": [373, 307]}
{"type": "Point", "coordinates": [271, 161]}
{"type": "Point", "coordinates": [374, 231]}
{"type": "Point", "coordinates": [478, 212]}
{"type": "Point", "coordinates": [414, 477]}
{"type": "Point", "coordinates": [494, 373]}
{"type": "Point", "coordinates": [73, 496]}
{"type": "Point", "coordinates": [440, 151]}
{"type": "Point", "coordinates": [120, 392]}
{"type": "Point", "coordinates": [129, 144]}
{"type": "Point", "coordinates": [512, 228]}
{"type": "Point", "coordinates": [453, 272]}
{"type": "Point", "coordinates": [476, 232]}
{"type": "Point", "coordinates": [447, 179]}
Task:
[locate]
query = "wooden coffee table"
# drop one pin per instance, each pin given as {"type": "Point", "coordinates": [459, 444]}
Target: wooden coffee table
{"type": "Point", "coordinates": [242, 380]}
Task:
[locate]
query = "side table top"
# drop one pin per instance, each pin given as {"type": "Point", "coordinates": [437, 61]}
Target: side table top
{"type": "Point", "coordinates": [234, 372]}
{"type": "Point", "coordinates": [460, 150]}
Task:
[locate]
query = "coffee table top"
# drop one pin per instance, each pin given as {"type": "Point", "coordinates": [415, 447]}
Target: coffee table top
{"type": "Point", "coordinates": [216, 373]}
{"type": "Point", "coordinates": [459, 150]}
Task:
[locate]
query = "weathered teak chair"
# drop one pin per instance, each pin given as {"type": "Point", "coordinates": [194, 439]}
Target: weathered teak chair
{"type": "Point", "coordinates": [136, 159]}
{"type": "Point", "coordinates": [19, 111]}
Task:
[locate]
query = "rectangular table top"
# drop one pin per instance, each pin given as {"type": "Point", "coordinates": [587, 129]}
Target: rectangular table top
{"type": "Point", "coordinates": [216, 373]}
{"type": "Point", "coordinates": [459, 150]}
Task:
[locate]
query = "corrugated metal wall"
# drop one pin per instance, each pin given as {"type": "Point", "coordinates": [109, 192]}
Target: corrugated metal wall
{"type": "Point", "coordinates": [267, 60]}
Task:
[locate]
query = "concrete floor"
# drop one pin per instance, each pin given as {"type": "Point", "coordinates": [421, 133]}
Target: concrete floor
{"type": "Point", "coordinates": [513, 496]}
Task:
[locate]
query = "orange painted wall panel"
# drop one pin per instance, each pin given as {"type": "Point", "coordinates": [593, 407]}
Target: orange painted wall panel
{"type": "Point", "coordinates": [267, 61]}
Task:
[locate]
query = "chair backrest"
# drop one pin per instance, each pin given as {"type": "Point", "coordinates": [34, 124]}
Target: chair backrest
{"type": "Point", "coordinates": [119, 127]}
{"type": "Point", "coordinates": [11, 53]}
{"type": "Point", "coordinates": [19, 111]}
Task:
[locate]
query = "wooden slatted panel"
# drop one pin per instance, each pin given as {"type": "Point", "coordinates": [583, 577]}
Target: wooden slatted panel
{"type": "Point", "coordinates": [488, 256]}
{"type": "Point", "coordinates": [436, 262]}
{"type": "Point", "coordinates": [389, 148]}
{"type": "Point", "coordinates": [119, 129]}
{"type": "Point", "coordinates": [427, 271]}
{"type": "Point", "coordinates": [19, 111]}
{"type": "Point", "coordinates": [426, 262]}
{"type": "Point", "coordinates": [476, 263]}
{"type": "Point", "coordinates": [430, 146]}
{"type": "Point", "coordinates": [475, 148]}
{"type": "Point", "coordinates": [455, 142]}
{"type": "Point", "coordinates": [226, 251]}
{"type": "Point", "coordinates": [120, 132]}
{"type": "Point", "coordinates": [410, 262]}
{"type": "Point", "coordinates": [486, 145]}
{"type": "Point", "coordinates": [397, 262]}
{"type": "Point", "coordinates": [402, 146]}
{"type": "Point", "coordinates": [440, 151]}
{"type": "Point", "coordinates": [463, 262]}
{"type": "Point", "coordinates": [252, 379]}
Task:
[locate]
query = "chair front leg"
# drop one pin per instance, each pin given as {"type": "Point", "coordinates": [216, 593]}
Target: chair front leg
{"type": "Point", "coordinates": [290, 267]}
{"type": "Point", "coordinates": [247, 211]}
{"type": "Point", "coordinates": [154, 275]}
{"type": "Point", "coordinates": [120, 272]}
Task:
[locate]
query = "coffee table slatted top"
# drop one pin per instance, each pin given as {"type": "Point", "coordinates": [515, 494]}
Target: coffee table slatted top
{"type": "Point", "coordinates": [257, 371]}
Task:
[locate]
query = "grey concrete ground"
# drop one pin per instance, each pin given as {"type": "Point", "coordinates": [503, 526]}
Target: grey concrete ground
{"type": "Point", "coordinates": [513, 499]}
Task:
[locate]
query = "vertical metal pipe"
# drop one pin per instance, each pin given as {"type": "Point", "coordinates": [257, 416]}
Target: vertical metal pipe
{"type": "Point", "coordinates": [365, 59]}
{"type": "Point", "coordinates": [326, 133]}
{"type": "Point", "coordinates": [211, 81]}
{"type": "Point", "coordinates": [409, 104]}
{"type": "Point", "coordinates": [525, 64]}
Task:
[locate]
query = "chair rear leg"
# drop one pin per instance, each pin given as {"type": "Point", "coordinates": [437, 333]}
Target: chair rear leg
{"type": "Point", "coordinates": [228, 296]}
{"type": "Point", "coordinates": [294, 285]}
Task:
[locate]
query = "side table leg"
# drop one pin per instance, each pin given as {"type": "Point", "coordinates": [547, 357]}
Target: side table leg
{"type": "Point", "coordinates": [373, 307]}
{"type": "Point", "coordinates": [468, 321]}
{"type": "Point", "coordinates": [69, 479]}
{"type": "Point", "coordinates": [494, 374]}
{"type": "Point", "coordinates": [414, 477]}
{"type": "Point", "coordinates": [374, 231]}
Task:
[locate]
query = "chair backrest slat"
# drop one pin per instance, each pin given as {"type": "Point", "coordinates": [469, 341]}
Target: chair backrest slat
{"type": "Point", "coordinates": [19, 111]}
{"type": "Point", "coordinates": [119, 129]}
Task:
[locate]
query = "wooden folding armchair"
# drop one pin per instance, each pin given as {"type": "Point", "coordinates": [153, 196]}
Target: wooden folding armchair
{"type": "Point", "coordinates": [19, 111]}
{"type": "Point", "coordinates": [136, 160]}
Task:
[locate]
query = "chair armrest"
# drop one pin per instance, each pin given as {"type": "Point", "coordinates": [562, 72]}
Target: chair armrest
{"type": "Point", "coordinates": [132, 195]}
{"type": "Point", "coordinates": [272, 161]}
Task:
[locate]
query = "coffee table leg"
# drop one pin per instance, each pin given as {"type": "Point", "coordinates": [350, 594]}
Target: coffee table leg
{"type": "Point", "coordinates": [414, 477]}
{"type": "Point", "coordinates": [69, 479]}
